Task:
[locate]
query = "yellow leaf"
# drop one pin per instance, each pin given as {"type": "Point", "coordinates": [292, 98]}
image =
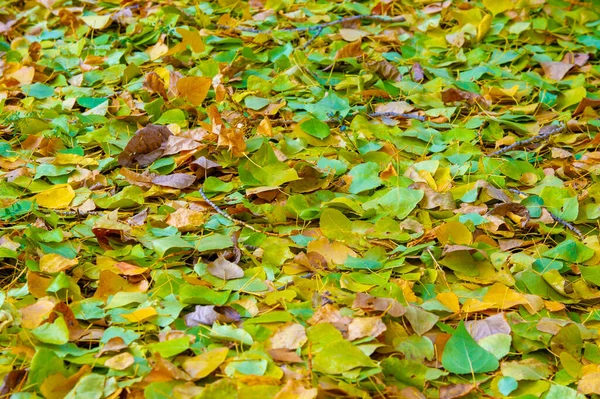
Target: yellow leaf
{"type": "Point", "coordinates": [120, 361]}
{"type": "Point", "coordinates": [140, 315]}
{"type": "Point", "coordinates": [454, 233]}
{"type": "Point", "coordinates": [194, 89]}
{"type": "Point", "coordinates": [202, 365]}
{"type": "Point", "coordinates": [294, 389]}
{"type": "Point", "coordinates": [449, 300]}
{"type": "Point", "coordinates": [97, 21]}
{"type": "Point", "coordinates": [484, 26]}
{"type": "Point", "coordinates": [498, 6]}
{"type": "Point", "coordinates": [54, 263]}
{"type": "Point", "coordinates": [59, 196]}
{"type": "Point", "coordinates": [191, 38]}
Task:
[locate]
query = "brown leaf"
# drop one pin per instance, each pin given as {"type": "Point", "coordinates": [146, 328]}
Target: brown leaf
{"type": "Point", "coordinates": [586, 102]}
{"type": "Point", "coordinates": [224, 269]}
{"type": "Point", "coordinates": [285, 356]}
{"type": "Point", "coordinates": [208, 315]}
{"type": "Point", "coordinates": [417, 72]}
{"type": "Point", "coordinates": [386, 70]}
{"type": "Point", "coordinates": [556, 70]}
{"type": "Point", "coordinates": [516, 212]}
{"type": "Point", "coordinates": [177, 144]}
{"type": "Point", "coordinates": [175, 180]}
{"type": "Point", "coordinates": [154, 84]}
{"type": "Point", "coordinates": [204, 167]}
{"type": "Point", "coordinates": [330, 314]}
{"type": "Point", "coordinates": [368, 302]}
{"type": "Point", "coordinates": [452, 95]}
{"type": "Point", "coordinates": [146, 146]}
{"type": "Point", "coordinates": [115, 344]}
{"type": "Point", "coordinates": [350, 50]}
{"type": "Point", "coordinates": [433, 199]}
{"type": "Point", "coordinates": [194, 89]}
{"type": "Point", "coordinates": [455, 390]}
{"type": "Point", "coordinates": [12, 380]}
{"type": "Point", "coordinates": [495, 324]}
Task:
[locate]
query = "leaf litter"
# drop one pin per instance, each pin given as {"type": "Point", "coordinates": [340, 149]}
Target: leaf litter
{"type": "Point", "coordinates": [299, 200]}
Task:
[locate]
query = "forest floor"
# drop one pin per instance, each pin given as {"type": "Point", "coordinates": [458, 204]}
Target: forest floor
{"type": "Point", "coordinates": [280, 199]}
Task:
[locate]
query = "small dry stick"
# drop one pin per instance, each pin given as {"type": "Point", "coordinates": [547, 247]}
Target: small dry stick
{"type": "Point", "coordinates": [396, 115]}
{"type": "Point", "coordinates": [544, 135]}
{"type": "Point", "coordinates": [320, 27]}
{"type": "Point", "coordinates": [556, 218]}
{"type": "Point", "coordinates": [233, 220]}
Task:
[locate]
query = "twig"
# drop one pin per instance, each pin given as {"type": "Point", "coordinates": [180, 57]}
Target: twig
{"type": "Point", "coordinates": [566, 224]}
{"type": "Point", "coordinates": [544, 135]}
{"type": "Point", "coordinates": [556, 218]}
{"type": "Point", "coordinates": [318, 28]}
{"type": "Point", "coordinates": [233, 220]}
{"type": "Point", "coordinates": [396, 115]}
{"type": "Point", "coordinates": [337, 120]}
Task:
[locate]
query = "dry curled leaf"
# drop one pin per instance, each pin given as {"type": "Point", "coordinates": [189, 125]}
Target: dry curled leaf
{"type": "Point", "coordinates": [175, 180]}
{"type": "Point", "coordinates": [146, 146]}
{"type": "Point", "coordinates": [208, 315]}
{"type": "Point", "coordinates": [386, 70]}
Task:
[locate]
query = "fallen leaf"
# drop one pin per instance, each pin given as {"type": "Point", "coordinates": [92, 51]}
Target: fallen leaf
{"type": "Point", "coordinates": [54, 263]}
{"type": "Point", "coordinates": [556, 70]}
{"type": "Point", "coordinates": [56, 197]}
{"type": "Point", "coordinates": [202, 365]}
{"type": "Point", "coordinates": [145, 146]}
{"type": "Point", "coordinates": [224, 269]}
{"type": "Point", "coordinates": [289, 336]}
{"type": "Point", "coordinates": [361, 327]}
{"type": "Point", "coordinates": [194, 89]}
{"type": "Point", "coordinates": [120, 362]}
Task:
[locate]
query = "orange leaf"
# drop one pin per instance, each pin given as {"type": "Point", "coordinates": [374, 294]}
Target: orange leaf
{"type": "Point", "coordinates": [350, 50]}
{"type": "Point", "coordinates": [194, 89]}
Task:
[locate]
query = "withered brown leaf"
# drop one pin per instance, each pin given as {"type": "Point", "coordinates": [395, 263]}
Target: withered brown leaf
{"type": "Point", "coordinates": [146, 146]}
{"type": "Point", "coordinates": [385, 70]}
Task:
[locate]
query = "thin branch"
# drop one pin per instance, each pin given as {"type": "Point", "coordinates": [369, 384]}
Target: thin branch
{"type": "Point", "coordinates": [566, 224]}
{"type": "Point", "coordinates": [556, 218]}
{"type": "Point", "coordinates": [396, 115]}
{"type": "Point", "coordinates": [318, 28]}
{"type": "Point", "coordinates": [276, 122]}
{"type": "Point", "coordinates": [233, 220]}
{"type": "Point", "coordinates": [544, 135]}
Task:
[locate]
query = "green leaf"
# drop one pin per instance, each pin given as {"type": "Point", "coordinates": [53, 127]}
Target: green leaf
{"type": "Point", "coordinates": [364, 177]}
{"type": "Point", "coordinates": [256, 103]}
{"type": "Point", "coordinates": [340, 356]}
{"type": "Point", "coordinates": [90, 386]}
{"type": "Point", "coordinates": [56, 333]}
{"type": "Point", "coordinates": [129, 197]}
{"type": "Point", "coordinates": [398, 202]}
{"type": "Point", "coordinates": [462, 355]}
{"type": "Point", "coordinates": [171, 347]}
{"type": "Point", "coordinates": [38, 90]}
{"type": "Point", "coordinates": [506, 385]}
{"type": "Point", "coordinates": [335, 225]}
{"type": "Point", "coordinates": [316, 128]}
